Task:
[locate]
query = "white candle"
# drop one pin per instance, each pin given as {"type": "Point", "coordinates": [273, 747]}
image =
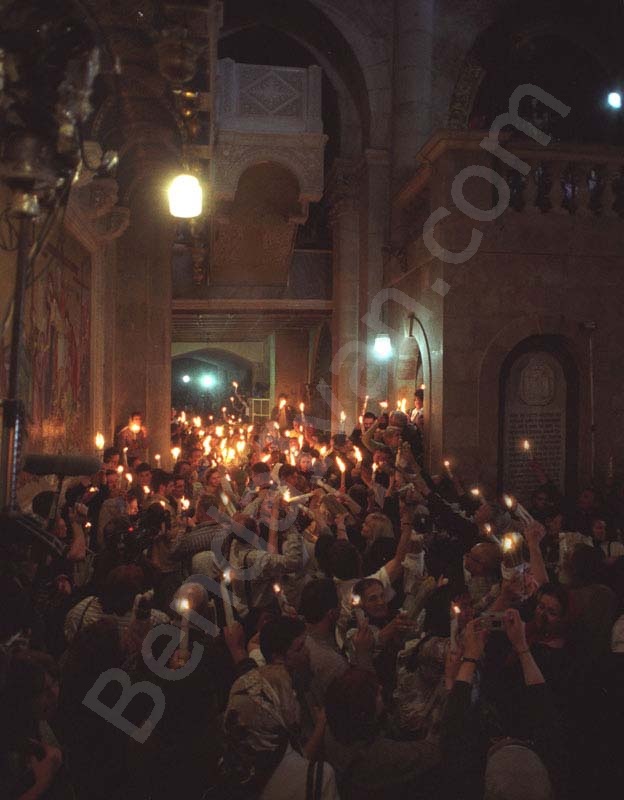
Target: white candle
{"type": "Point", "coordinates": [343, 419]}
{"type": "Point", "coordinates": [358, 613]}
{"type": "Point", "coordinates": [183, 607]}
{"type": "Point", "coordinates": [455, 612]}
{"type": "Point", "coordinates": [225, 596]}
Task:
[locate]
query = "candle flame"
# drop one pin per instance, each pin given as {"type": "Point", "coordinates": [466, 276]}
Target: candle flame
{"type": "Point", "coordinates": [227, 575]}
{"type": "Point", "coordinates": [340, 464]}
{"type": "Point", "coordinates": [128, 477]}
{"type": "Point", "coordinates": [508, 500]}
{"type": "Point", "coordinates": [404, 405]}
{"type": "Point", "coordinates": [343, 416]}
{"type": "Point", "coordinates": [358, 454]}
{"type": "Point", "coordinates": [423, 386]}
{"type": "Point", "coordinates": [197, 422]}
{"type": "Point", "coordinates": [287, 497]}
{"type": "Point", "coordinates": [282, 403]}
{"type": "Point", "coordinates": [235, 384]}
{"type": "Point", "coordinates": [527, 445]}
{"type": "Point", "coordinates": [120, 470]}
{"type": "Point", "coordinates": [488, 528]}
{"type": "Point", "coordinates": [175, 452]}
{"type": "Point", "coordinates": [183, 605]}
{"type": "Point", "coordinates": [508, 544]}
{"type": "Point", "coordinates": [240, 447]}
{"type": "Point", "coordinates": [157, 457]}
{"type": "Point", "coordinates": [383, 405]}
{"type": "Point", "coordinates": [355, 599]}
{"type": "Point", "coordinates": [99, 441]}
{"type": "Point", "coordinates": [266, 458]}
{"type": "Point", "coordinates": [277, 588]}
{"type": "Point", "coordinates": [185, 504]}
{"type": "Point", "coordinates": [323, 451]}
{"type": "Point", "coordinates": [146, 490]}
{"type": "Point", "coordinates": [447, 464]}
{"type": "Point", "coordinates": [475, 492]}
{"type": "Point", "coordinates": [302, 407]}
{"type": "Point", "coordinates": [135, 428]}
{"type": "Point", "coordinates": [456, 609]}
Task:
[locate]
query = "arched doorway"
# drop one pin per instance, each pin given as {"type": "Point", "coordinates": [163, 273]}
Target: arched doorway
{"type": "Point", "coordinates": [539, 416]}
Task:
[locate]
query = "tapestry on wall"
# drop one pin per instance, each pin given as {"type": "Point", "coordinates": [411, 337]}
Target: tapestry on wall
{"type": "Point", "coordinates": [55, 376]}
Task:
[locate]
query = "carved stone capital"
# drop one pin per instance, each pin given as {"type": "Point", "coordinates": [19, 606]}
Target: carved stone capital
{"type": "Point", "coordinates": [97, 197]}
{"type": "Point", "coordinates": [113, 224]}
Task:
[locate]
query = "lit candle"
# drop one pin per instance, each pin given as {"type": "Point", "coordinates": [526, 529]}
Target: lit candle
{"type": "Point", "coordinates": [235, 385]}
{"type": "Point", "coordinates": [404, 405]}
{"type": "Point", "coordinates": [343, 419]}
{"type": "Point", "coordinates": [135, 429]}
{"type": "Point", "coordinates": [175, 452]}
{"type": "Point", "coordinates": [365, 406]}
{"type": "Point", "coordinates": [476, 493]}
{"type": "Point", "coordinates": [197, 422]}
{"type": "Point", "coordinates": [129, 478]}
{"type": "Point", "coordinates": [447, 467]}
{"type": "Point", "coordinates": [358, 454]}
{"type": "Point", "coordinates": [455, 612]}
{"type": "Point", "coordinates": [383, 405]}
{"type": "Point", "coordinates": [99, 442]}
{"type": "Point", "coordinates": [517, 508]}
{"type": "Point", "coordinates": [342, 467]}
{"type": "Point", "coordinates": [302, 409]}
{"type": "Point", "coordinates": [358, 613]}
{"type": "Point", "coordinates": [146, 491]}
{"type": "Point", "coordinates": [282, 403]}
{"type": "Point", "coordinates": [279, 594]}
{"type": "Point", "coordinates": [120, 471]}
{"type": "Point", "coordinates": [125, 456]}
{"type": "Point", "coordinates": [157, 458]}
{"type": "Point", "coordinates": [526, 446]}
{"type": "Point", "coordinates": [225, 596]}
{"type": "Point", "coordinates": [489, 532]}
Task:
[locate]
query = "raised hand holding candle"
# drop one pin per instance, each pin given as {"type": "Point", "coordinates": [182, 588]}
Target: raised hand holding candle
{"type": "Point", "coordinates": [225, 596]}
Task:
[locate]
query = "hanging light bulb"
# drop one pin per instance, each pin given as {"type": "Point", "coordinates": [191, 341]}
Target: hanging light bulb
{"type": "Point", "coordinates": [185, 197]}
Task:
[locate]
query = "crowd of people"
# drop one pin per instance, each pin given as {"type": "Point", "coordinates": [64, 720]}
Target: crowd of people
{"type": "Point", "coordinates": [312, 616]}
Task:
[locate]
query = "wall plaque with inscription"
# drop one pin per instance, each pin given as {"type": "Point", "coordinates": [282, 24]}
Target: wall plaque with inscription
{"type": "Point", "coordinates": [535, 411]}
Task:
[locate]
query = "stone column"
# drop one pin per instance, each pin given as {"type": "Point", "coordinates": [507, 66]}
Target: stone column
{"type": "Point", "coordinates": [291, 363]}
{"type": "Point", "coordinates": [375, 221]}
{"type": "Point", "coordinates": [413, 81]}
{"type": "Point", "coordinates": [344, 196]}
{"type": "Point", "coordinates": [142, 368]}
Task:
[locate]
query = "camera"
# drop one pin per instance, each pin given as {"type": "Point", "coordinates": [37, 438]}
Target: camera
{"type": "Point", "coordinates": [492, 621]}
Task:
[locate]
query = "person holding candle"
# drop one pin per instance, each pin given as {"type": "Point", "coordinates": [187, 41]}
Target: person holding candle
{"type": "Point", "coordinates": [262, 722]}
{"type": "Point", "coordinates": [284, 413]}
{"type": "Point", "coordinates": [134, 437]}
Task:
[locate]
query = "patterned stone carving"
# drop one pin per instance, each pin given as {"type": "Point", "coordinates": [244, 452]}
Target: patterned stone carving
{"type": "Point", "coordinates": [264, 98]}
{"type": "Point", "coordinates": [464, 95]}
{"type": "Point", "coordinates": [301, 154]}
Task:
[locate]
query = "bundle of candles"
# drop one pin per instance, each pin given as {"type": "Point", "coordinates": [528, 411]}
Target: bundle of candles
{"type": "Point", "coordinates": [512, 549]}
{"type": "Point", "coordinates": [517, 509]}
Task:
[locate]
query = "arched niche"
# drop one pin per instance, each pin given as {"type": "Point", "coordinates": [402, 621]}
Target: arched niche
{"type": "Point", "coordinates": [409, 369]}
{"type": "Point", "coordinates": [539, 404]}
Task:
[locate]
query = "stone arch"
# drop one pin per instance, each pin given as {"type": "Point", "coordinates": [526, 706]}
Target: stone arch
{"type": "Point", "coordinates": [489, 417]}
{"type": "Point", "coordinates": [321, 33]}
{"type": "Point", "coordinates": [557, 374]}
{"type": "Point", "coordinates": [228, 178]}
{"type": "Point", "coordinates": [520, 26]}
